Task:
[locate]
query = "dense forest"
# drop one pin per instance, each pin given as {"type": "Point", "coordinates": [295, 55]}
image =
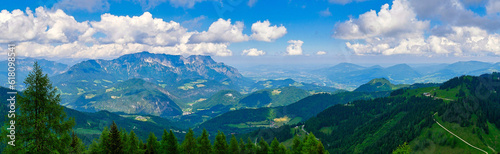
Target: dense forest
{"type": "Point", "coordinates": [406, 120]}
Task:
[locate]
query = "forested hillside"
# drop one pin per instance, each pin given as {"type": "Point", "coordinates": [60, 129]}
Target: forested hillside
{"type": "Point", "coordinates": [466, 106]}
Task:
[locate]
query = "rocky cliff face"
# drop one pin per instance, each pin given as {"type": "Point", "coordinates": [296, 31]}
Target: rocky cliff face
{"type": "Point", "coordinates": [187, 78]}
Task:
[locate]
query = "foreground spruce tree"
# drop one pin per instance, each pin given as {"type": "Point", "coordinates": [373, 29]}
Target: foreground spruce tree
{"type": "Point", "coordinates": [220, 144]}
{"type": "Point", "coordinates": [76, 146]}
{"type": "Point", "coordinates": [204, 143]}
{"type": "Point", "coordinates": [189, 144]}
{"type": "Point", "coordinates": [233, 146]}
{"type": "Point", "coordinates": [172, 146]}
{"type": "Point", "coordinates": [115, 140]}
{"type": "Point", "coordinates": [41, 123]}
{"type": "Point", "coordinates": [153, 146]}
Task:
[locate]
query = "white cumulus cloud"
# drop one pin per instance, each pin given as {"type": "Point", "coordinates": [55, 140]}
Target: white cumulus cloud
{"type": "Point", "coordinates": [294, 48]}
{"type": "Point", "coordinates": [222, 31]}
{"type": "Point", "coordinates": [263, 31]}
{"type": "Point", "coordinates": [398, 31]}
{"type": "Point", "coordinates": [140, 29]}
{"type": "Point", "coordinates": [398, 21]}
{"type": "Point", "coordinates": [321, 53]}
{"type": "Point", "coordinates": [53, 33]}
{"type": "Point", "coordinates": [253, 52]}
{"type": "Point", "coordinates": [47, 26]}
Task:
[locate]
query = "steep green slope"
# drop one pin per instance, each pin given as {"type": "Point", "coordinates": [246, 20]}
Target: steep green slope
{"type": "Point", "coordinates": [467, 106]}
{"type": "Point", "coordinates": [134, 96]}
{"type": "Point", "coordinates": [228, 100]}
{"type": "Point", "coordinates": [379, 84]}
{"type": "Point", "coordinates": [223, 97]}
{"type": "Point", "coordinates": [246, 120]}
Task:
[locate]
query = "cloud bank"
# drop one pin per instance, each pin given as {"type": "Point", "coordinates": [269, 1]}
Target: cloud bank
{"type": "Point", "coordinates": [399, 29]}
{"type": "Point", "coordinates": [47, 33]}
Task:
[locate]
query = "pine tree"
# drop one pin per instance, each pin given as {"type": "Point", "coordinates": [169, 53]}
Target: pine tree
{"type": "Point", "coordinates": [309, 144]}
{"type": "Point", "coordinates": [172, 144]}
{"type": "Point", "coordinates": [263, 147]}
{"type": "Point", "coordinates": [204, 143]}
{"type": "Point", "coordinates": [103, 141]}
{"type": "Point", "coordinates": [242, 146]}
{"type": "Point", "coordinates": [297, 145]}
{"type": "Point", "coordinates": [124, 141]}
{"type": "Point", "coordinates": [40, 121]}
{"type": "Point", "coordinates": [250, 146]}
{"type": "Point", "coordinates": [93, 148]}
{"type": "Point", "coordinates": [283, 149]}
{"type": "Point", "coordinates": [163, 142]}
{"type": "Point", "coordinates": [153, 146]}
{"type": "Point", "coordinates": [115, 140]}
{"type": "Point", "coordinates": [275, 146]}
{"type": "Point", "coordinates": [133, 143]}
{"type": "Point", "coordinates": [321, 149]}
{"type": "Point", "coordinates": [233, 146]}
{"type": "Point", "coordinates": [76, 145]}
{"type": "Point", "coordinates": [189, 143]}
{"type": "Point", "coordinates": [220, 144]}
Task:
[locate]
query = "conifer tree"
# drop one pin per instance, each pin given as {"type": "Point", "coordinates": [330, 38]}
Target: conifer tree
{"type": "Point", "coordinates": [152, 145]}
{"type": "Point", "coordinates": [93, 148]}
{"type": "Point", "coordinates": [263, 147]}
{"type": "Point", "coordinates": [297, 145]}
{"type": "Point", "coordinates": [275, 146]}
{"type": "Point", "coordinates": [189, 143]}
{"type": "Point", "coordinates": [115, 140]}
{"type": "Point", "coordinates": [321, 149]}
{"type": "Point", "coordinates": [172, 146]}
{"type": "Point", "coordinates": [205, 147]}
{"type": "Point", "coordinates": [283, 149]}
{"type": "Point", "coordinates": [250, 146]}
{"type": "Point", "coordinates": [309, 144]}
{"type": "Point", "coordinates": [76, 145]}
{"type": "Point", "coordinates": [124, 141]}
{"type": "Point", "coordinates": [163, 142]}
{"type": "Point", "coordinates": [242, 146]}
{"type": "Point", "coordinates": [133, 143]}
{"type": "Point", "coordinates": [103, 141]}
{"type": "Point", "coordinates": [233, 146]}
{"type": "Point", "coordinates": [220, 144]}
{"type": "Point", "coordinates": [40, 121]}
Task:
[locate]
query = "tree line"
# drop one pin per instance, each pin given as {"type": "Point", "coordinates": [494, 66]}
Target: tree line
{"type": "Point", "coordinates": [114, 140]}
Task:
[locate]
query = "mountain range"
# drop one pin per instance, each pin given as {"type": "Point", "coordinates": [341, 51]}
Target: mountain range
{"type": "Point", "coordinates": [196, 88]}
{"type": "Point", "coordinates": [350, 76]}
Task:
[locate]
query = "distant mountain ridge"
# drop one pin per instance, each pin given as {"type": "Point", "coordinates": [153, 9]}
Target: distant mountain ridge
{"type": "Point", "coordinates": [380, 84]}
{"type": "Point", "coordinates": [25, 65]}
{"type": "Point", "coordinates": [350, 76]}
{"type": "Point", "coordinates": [188, 78]}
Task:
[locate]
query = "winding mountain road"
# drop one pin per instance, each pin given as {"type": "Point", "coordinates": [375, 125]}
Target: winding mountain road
{"type": "Point", "coordinates": [459, 137]}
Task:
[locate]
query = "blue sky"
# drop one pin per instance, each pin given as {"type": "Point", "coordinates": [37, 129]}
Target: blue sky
{"type": "Point", "coordinates": [243, 32]}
